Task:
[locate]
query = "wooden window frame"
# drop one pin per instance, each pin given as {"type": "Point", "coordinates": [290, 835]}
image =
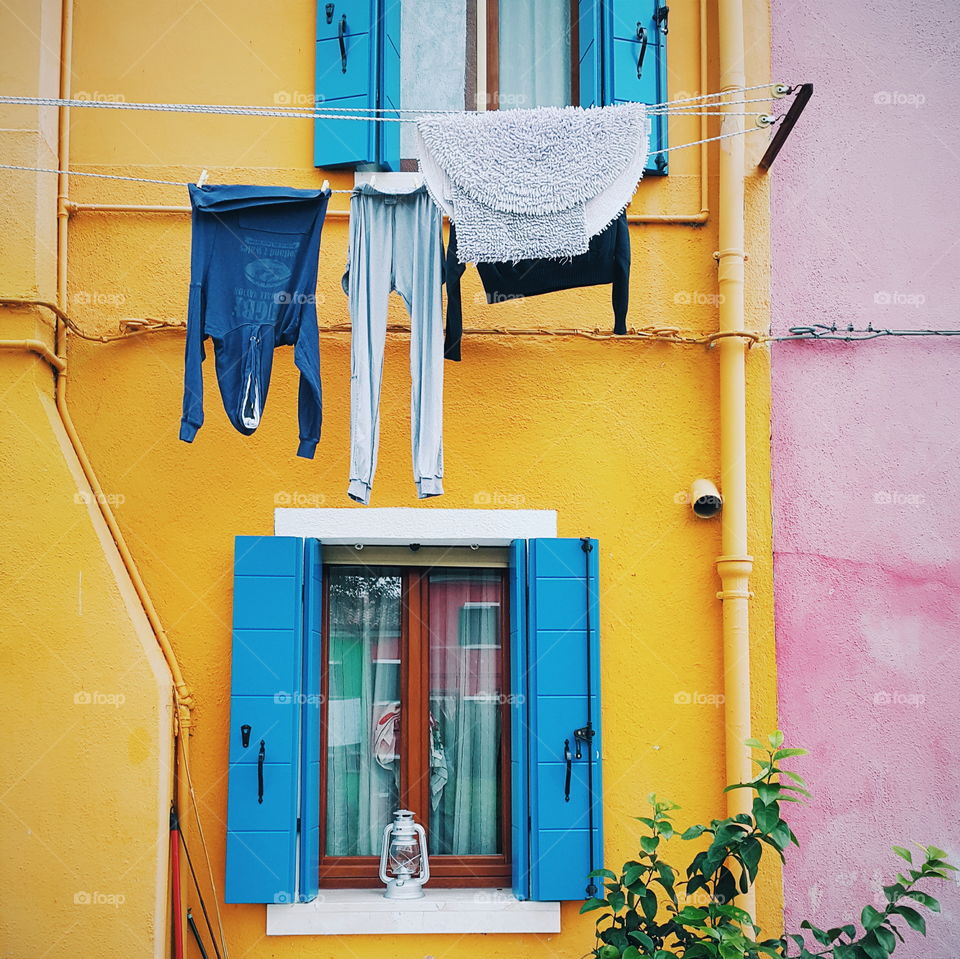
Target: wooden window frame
{"type": "Point", "coordinates": [445, 871]}
{"type": "Point", "coordinates": [493, 53]}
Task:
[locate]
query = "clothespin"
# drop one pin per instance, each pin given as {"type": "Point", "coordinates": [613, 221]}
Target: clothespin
{"type": "Point", "coordinates": [202, 179]}
{"type": "Point", "coordinates": [325, 186]}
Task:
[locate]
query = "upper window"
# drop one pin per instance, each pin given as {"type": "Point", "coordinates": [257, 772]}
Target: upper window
{"type": "Point", "coordinates": [479, 55]}
{"type": "Point", "coordinates": [415, 717]}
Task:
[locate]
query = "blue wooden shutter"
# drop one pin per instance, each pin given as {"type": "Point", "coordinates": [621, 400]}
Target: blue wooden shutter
{"type": "Point", "coordinates": [265, 714]}
{"type": "Point", "coordinates": [519, 724]}
{"type": "Point", "coordinates": [390, 85]}
{"type": "Point", "coordinates": [346, 142]}
{"type": "Point", "coordinates": [590, 53]}
{"type": "Point", "coordinates": [622, 25]}
{"type": "Point", "coordinates": [556, 669]}
{"type": "Point", "coordinates": [310, 761]}
{"type": "Point", "coordinates": [370, 35]}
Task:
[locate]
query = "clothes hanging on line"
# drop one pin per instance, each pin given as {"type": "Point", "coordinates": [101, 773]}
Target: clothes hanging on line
{"type": "Point", "coordinates": [253, 280]}
{"type": "Point", "coordinates": [396, 243]}
{"type": "Point", "coordinates": [607, 260]}
{"type": "Point", "coordinates": [529, 184]}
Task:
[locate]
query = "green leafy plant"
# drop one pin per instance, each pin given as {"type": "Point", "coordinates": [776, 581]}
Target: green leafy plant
{"type": "Point", "coordinates": [653, 911]}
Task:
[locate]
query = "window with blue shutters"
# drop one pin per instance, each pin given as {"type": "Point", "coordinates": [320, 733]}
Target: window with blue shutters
{"type": "Point", "coordinates": [509, 665]}
{"type": "Point", "coordinates": [443, 55]}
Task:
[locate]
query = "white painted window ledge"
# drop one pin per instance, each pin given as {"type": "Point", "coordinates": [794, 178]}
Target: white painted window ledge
{"type": "Point", "coordinates": [354, 912]}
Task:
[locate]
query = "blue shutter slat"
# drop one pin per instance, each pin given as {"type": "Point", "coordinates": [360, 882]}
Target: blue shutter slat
{"type": "Point", "coordinates": [265, 695]}
{"type": "Point", "coordinates": [519, 725]}
{"type": "Point", "coordinates": [561, 698]}
{"type": "Point", "coordinates": [621, 53]}
{"type": "Point", "coordinates": [589, 33]}
{"type": "Point", "coordinates": [346, 142]}
{"type": "Point", "coordinates": [310, 716]}
{"type": "Point", "coordinates": [390, 86]}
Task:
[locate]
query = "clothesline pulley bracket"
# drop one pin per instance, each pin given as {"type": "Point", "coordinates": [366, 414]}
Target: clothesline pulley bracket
{"type": "Point", "coordinates": [789, 121]}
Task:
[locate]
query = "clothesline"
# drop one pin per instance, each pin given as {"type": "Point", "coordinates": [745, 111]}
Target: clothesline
{"type": "Point", "coordinates": [283, 114]}
{"type": "Point", "coordinates": [182, 183]}
{"type": "Point", "coordinates": [348, 113]}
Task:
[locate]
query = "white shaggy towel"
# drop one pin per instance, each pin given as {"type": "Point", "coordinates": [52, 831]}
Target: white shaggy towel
{"type": "Point", "coordinates": [539, 183]}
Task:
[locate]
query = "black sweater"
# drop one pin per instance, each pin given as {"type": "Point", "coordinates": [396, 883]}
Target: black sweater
{"type": "Point", "coordinates": [606, 261]}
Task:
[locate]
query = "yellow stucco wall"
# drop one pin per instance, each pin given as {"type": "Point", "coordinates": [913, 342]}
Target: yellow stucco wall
{"type": "Point", "coordinates": [607, 433]}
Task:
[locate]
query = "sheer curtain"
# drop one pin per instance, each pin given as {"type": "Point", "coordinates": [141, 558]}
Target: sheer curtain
{"type": "Point", "coordinates": [466, 700]}
{"type": "Point", "coordinates": [363, 708]}
{"type": "Point", "coordinates": [535, 66]}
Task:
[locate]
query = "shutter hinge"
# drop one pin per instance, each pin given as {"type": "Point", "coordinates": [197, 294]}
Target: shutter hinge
{"type": "Point", "coordinates": [661, 16]}
{"type": "Point", "coordinates": [298, 824]}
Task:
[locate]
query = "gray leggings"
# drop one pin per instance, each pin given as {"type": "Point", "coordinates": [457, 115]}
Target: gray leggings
{"type": "Point", "coordinates": [396, 243]}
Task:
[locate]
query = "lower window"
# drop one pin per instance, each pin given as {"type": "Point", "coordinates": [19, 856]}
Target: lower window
{"type": "Point", "coordinates": [415, 716]}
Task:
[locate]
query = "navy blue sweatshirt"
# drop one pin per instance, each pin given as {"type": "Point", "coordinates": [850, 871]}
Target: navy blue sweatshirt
{"type": "Point", "coordinates": [607, 260]}
{"type": "Point", "coordinates": [253, 282]}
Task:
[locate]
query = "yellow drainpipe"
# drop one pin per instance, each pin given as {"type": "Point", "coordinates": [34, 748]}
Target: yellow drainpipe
{"type": "Point", "coordinates": [183, 699]}
{"type": "Point", "coordinates": [38, 347]}
{"type": "Point", "coordinates": [734, 564]}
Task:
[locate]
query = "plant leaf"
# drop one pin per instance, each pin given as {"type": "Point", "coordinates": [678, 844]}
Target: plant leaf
{"type": "Point", "coordinates": [904, 853]}
{"type": "Point", "coordinates": [643, 939]}
{"type": "Point", "coordinates": [870, 918]}
{"type": "Point", "coordinates": [648, 903]}
{"type": "Point", "coordinates": [873, 947]}
{"type": "Point", "coordinates": [914, 919]}
{"type": "Point", "coordinates": [649, 843]}
{"type": "Point", "coordinates": [592, 904]}
{"type": "Point", "coordinates": [606, 873]}
{"type": "Point", "coordinates": [924, 900]}
{"type": "Point", "coordinates": [886, 937]}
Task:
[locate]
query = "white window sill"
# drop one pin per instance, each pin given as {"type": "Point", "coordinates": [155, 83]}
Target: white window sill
{"type": "Point", "coordinates": [348, 912]}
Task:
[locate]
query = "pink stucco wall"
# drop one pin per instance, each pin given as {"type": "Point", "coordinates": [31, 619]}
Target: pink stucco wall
{"type": "Point", "coordinates": [866, 449]}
